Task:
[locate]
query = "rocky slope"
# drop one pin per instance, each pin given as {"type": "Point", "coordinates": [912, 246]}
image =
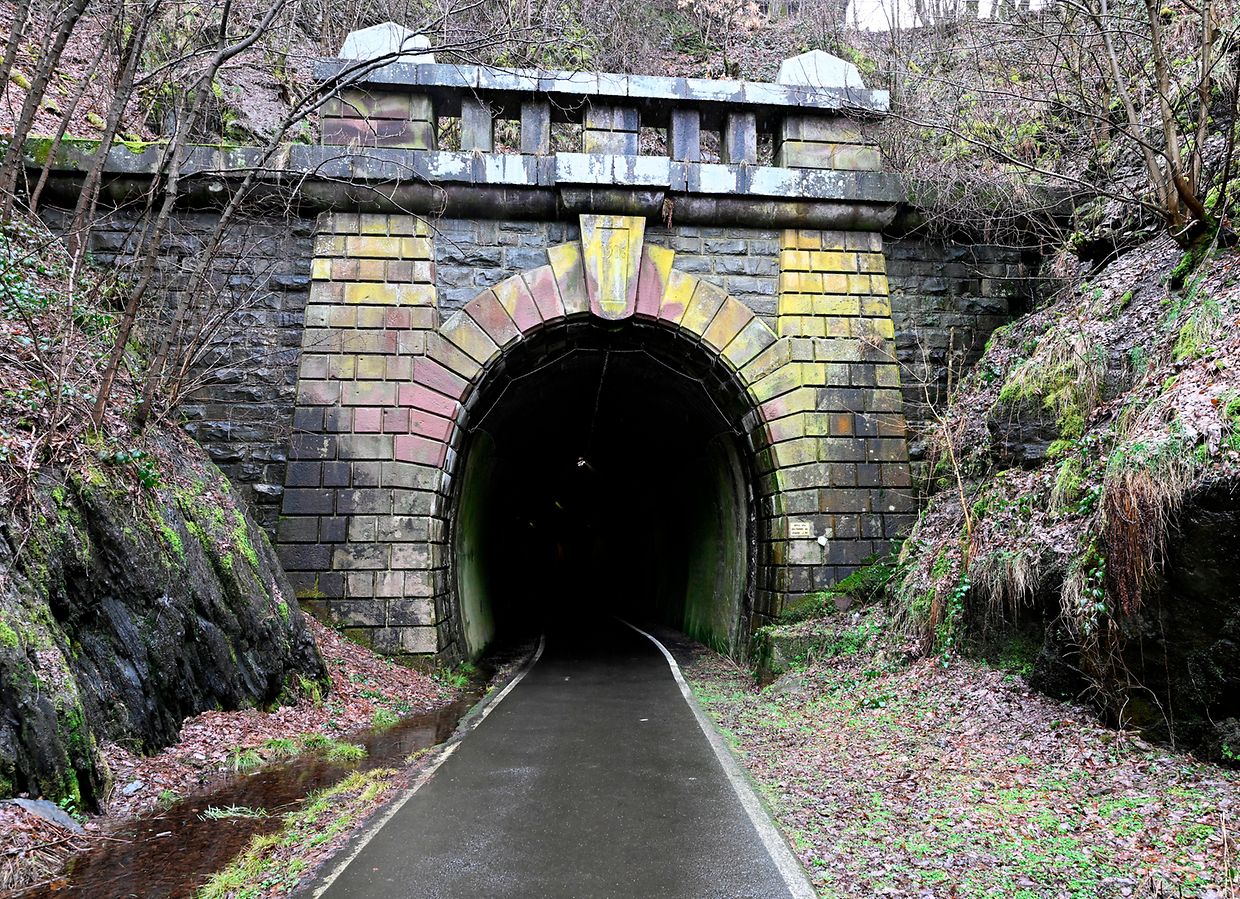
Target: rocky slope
{"type": "Point", "coordinates": [126, 608]}
{"type": "Point", "coordinates": [1087, 493]}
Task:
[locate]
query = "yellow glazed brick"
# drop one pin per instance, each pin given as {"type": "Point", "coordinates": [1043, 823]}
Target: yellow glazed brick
{"type": "Point", "coordinates": [321, 269]}
{"type": "Point", "coordinates": [836, 305]}
{"type": "Point", "coordinates": [415, 248]}
{"type": "Point", "coordinates": [879, 285]}
{"type": "Point", "coordinates": [371, 316]}
{"type": "Point", "coordinates": [330, 245]}
{"type": "Point", "coordinates": [342, 317]}
{"type": "Point", "coordinates": [795, 452]}
{"type": "Point", "coordinates": [371, 270]}
{"type": "Point", "coordinates": [793, 239]}
{"type": "Point", "coordinates": [873, 328]}
{"type": "Point", "coordinates": [371, 247]}
{"type": "Point", "coordinates": [835, 326]}
{"type": "Point", "coordinates": [371, 292]}
{"type": "Point", "coordinates": [834, 283]}
{"type": "Point", "coordinates": [371, 368]}
{"type": "Point", "coordinates": [795, 304]}
{"type": "Point", "coordinates": [677, 296]}
{"type": "Point", "coordinates": [800, 282]}
{"type": "Point", "coordinates": [824, 261]}
{"type": "Point", "coordinates": [415, 294]}
{"type": "Point", "coordinates": [813, 326]}
{"type": "Point", "coordinates": [372, 223]}
{"type": "Point", "coordinates": [789, 326]}
{"type": "Point", "coordinates": [872, 263]}
{"type": "Point", "coordinates": [342, 367]}
{"type": "Point", "coordinates": [875, 307]}
{"type": "Point", "coordinates": [795, 260]}
{"type": "Point", "coordinates": [858, 283]}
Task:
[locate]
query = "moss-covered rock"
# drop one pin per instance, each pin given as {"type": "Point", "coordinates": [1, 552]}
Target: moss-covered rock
{"type": "Point", "coordinates": [125, 609]}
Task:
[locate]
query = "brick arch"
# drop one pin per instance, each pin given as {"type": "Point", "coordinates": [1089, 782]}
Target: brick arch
{"type": "Point", "coordinates": [474, 338]}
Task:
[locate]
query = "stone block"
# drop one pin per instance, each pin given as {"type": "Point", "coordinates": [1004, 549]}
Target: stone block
{"type": "Point", "coordinates": [451, 357]}
{"type": "Point", "coordinates": [819, 69]}
{"type": "Point", "coordinates": [685, 136]}
{"type": "Point", "coordinates": [727, 323]}
{"type": "Point", "coordinates": [304, 556]}
{"type": "Point", "coordinates": [707, 301]}
{"type": "Point", "coordinates": [469, 337]}
{"type": "Point", "coordinates": [536, 127]}
{"type": "Point", "coordinates": [420, 450]}
{"type": "Point", "coordinates": [678, 296]}
{"type": "Point", "coordinates": [740, 138]}
{"type": "Point", "coordinates": [755, 337]}
{"type": "Point", "coordinates": [567, 266]}
{"type": "Point", "coordinates": [477, 125]}
{"type": "Point", "coordinates": [544, 290]}
{"type": "Point", "coordinates": [360, 557]}
{"type": "Point", "coordinates": [517, 301]}
{"type": "Point", "coordinates": [614, 143]}
{"type": "Point", "coordinates": [489, 314]}
{"type": "Point", "coordinates": [821, 129]}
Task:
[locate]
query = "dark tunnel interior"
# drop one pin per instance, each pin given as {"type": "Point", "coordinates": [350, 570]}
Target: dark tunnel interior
{"type": "Point", "coordinates": [602, 477]}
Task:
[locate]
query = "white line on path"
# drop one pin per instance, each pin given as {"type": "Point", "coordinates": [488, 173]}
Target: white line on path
{"type": "Point", "coordinates": [789, 868]}
{"type": "Point", "coordinates": [427, 773]}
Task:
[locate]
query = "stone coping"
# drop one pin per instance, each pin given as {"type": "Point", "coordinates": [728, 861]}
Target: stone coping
{"type": "Point", "coordinates": [656, 96]}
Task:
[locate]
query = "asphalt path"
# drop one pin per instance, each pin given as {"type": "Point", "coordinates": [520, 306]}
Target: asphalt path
{"type": "Point", "coordinates": [592, 779]}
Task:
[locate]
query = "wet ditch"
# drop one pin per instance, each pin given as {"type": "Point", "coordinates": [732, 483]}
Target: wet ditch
{"type": "Point", "coordinates": [169, 854]}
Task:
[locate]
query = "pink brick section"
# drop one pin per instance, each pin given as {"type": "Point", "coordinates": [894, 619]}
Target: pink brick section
{"type": "Point", "coordinates": [833, 412]}
{"type": "Point", "coordinates": [361, 534]}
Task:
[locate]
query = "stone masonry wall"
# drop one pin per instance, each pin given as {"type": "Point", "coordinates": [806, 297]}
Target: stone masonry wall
{"type": "Point", "coordinates": [946, 300]}
{"type": "Point", "coordinates": [243, 414]}
{"type": "Point", "coordinates": [941, 295]}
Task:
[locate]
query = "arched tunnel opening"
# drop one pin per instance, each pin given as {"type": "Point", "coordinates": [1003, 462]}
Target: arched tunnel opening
{"type": "Point", "coordinates": [602, 476]}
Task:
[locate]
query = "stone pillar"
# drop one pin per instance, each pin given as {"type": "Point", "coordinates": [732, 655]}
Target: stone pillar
{"type": "Point", "coordinates": [477, 126]}
{"type": "Point", "coordinates": [684, 135]}
{"type": "Point", "coordinates": [835, 311]}
{"type": "Point", "coordinates": [359, 535]}
{"type": "Point", "coordinates": [536, 127]}
{"type": "Point", "coordinates": [610, 129]}
{"type": "Point", "coordinates": [740, 138]}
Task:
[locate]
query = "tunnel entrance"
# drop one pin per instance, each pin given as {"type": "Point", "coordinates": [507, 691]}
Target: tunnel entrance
{"type": "Point", "coordinates": [603, 475]}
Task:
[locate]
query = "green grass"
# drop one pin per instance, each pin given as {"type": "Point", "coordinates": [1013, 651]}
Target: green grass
{"type": "Point", "coordinates": [277, 861]}
{"type": "Point", "coordinates": [334, 750]}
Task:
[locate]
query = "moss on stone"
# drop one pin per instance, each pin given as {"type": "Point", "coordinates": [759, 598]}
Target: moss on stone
{"type": "Point", "coordinates": [241, 537]}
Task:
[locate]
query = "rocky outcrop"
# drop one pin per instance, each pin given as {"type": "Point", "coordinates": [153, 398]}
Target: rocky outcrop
{"type": "Point", "coordinates": [1184, 644]}
{"type": "Point", "coordinates": [126, 608]}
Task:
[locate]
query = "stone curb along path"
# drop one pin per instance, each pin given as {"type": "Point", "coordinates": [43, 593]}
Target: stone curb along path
{"type": "Point", "coordinates": [599, 777]}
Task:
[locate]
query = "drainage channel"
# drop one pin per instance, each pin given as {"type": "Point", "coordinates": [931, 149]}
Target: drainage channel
{"type": "Point", "coordinates": [170, 853]}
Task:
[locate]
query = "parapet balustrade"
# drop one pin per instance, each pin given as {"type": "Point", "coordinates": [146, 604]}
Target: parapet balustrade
{"type": "Point", "coordinates": [811, 119]}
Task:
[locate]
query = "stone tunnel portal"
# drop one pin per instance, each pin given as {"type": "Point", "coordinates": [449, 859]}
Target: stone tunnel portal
{"type": "Point", "coordinates": [602, 476]}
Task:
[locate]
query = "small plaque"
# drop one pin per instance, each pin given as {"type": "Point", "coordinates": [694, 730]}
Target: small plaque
{"type": "Point", "coordinates": [801, 530]}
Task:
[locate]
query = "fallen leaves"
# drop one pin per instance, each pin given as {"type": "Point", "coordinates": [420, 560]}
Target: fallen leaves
{"type": "Point", "coordinates": [963, 783]}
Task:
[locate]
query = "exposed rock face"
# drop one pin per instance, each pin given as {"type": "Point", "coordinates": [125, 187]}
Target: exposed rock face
{"type": "Point", "coordinates": [129, 609]}
{"type": "Point", "coordinates": [1185, 645]}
